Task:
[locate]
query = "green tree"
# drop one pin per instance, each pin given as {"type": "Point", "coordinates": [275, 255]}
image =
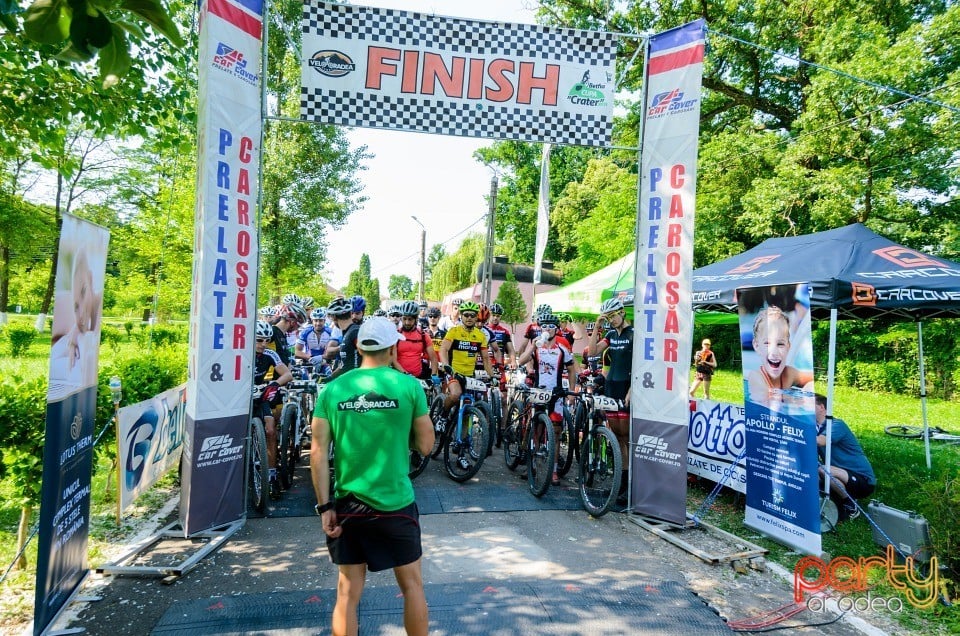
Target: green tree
{"type": "Point", "coordinates": [510, 297]}
{"type": "Point", "coordinates": [434, 256]}
{"type": "Point", "coordinates": [458, 270]}
{"type": "Point", "coordinates": [400, 286]}
{"type": "Point", "coordinates": [361, 284]}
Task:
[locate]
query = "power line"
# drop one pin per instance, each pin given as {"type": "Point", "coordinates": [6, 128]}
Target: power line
{"type": "Point", "coordinates": [417, 253]}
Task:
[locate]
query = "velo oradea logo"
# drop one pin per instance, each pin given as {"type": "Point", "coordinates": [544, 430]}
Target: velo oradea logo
{"type": "Point", "coordinates": [367, 402]}
{"type": "Point", "coordinates": [332, 63]}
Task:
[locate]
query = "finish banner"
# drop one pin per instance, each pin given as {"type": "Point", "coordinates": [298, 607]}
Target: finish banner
{"type": "Point", "coordinates": [149, 442]}
{"type": "Point", "coordinates": [402, 70]}
{"type": "Point", "coordinates": [222, 312]}
{"type": "Point", "coordinates": [663, 314]}
{"type": "Point", "coordinates": [71, 411]}
{"type": "Point", "coordinates": [716, 443]}
{"type": "Point", "coordinates": [782, 494]}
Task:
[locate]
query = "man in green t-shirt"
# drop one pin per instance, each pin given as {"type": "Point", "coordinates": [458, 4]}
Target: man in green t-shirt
{"type": "Point", "coordinates": [372, 414]}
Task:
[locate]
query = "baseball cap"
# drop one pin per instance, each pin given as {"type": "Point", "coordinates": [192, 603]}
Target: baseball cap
{"type": "Point", "coordinates": [377, 334]}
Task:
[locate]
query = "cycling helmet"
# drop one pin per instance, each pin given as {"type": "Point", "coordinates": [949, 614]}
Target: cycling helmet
{"type": "Point", "coordinates": [318, 314]}
{"type": "Point", "coordinates": [484, 314]}
{"type": "Point", "coordinates": [339, 307]}
{"type": "Point", "coordinates": [456, 302]}
{"type": "Point", "coordinates": [433, 312]}
{"type": "Point", "coordinates": [291, 298]}
{"type": "Point", "coordinates": [565, 318]}
{"type": "Point", "coordinates": [549, 320]}
{"type": "Point", "coordinates": [543, 309]}
{"type": "Point", "coordinates": [380, 313]}
{"type": "Point", "coordinates": [358, 303]}
{"type": "Point", "coordinates": [307, 302]}
{"type": "Point", "coordinates": [264, 329]}
{"type": "Point", "coordinates": [296, 313]}
{"type": "Point", "coordinates": [611, 305]}
{"type": "Point", "coordinates": [469, 305]}
{"type": "Point", "coordinates": [496, 309]}
{"type": "Point", "coordinates": [266, 311]}
{"type": "Point", "coordinates": [422, 304]}
{"type": "Point", "coordinates": [409, 308]}
{"type": "Point", "coordinates": [394, 311]}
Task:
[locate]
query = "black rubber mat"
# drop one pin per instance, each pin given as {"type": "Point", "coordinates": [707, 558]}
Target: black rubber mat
{"type": "Point", "coordinates": [518, 607]}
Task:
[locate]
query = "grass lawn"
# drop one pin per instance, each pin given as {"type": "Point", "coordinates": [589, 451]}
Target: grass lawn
{"type": "Point", "coordinates": [903, 482]}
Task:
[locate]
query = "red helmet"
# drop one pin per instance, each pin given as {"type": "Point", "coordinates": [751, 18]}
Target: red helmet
{"type": "Point", "coordinates": [484, 314]}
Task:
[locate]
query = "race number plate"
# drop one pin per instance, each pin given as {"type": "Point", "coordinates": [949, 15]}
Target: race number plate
{"type": "Point", "coordinates": [539, 396]}
{"type": "Point", "coordinates": [604, 403]}
{"type": "Point", "coordinates": [474, 384]}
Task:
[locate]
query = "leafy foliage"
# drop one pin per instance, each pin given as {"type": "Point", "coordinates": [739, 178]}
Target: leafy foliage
{"type": "Point", "coordinates": [20, 338]}
{"type": "Point", "coordinates": [510, 297]}
{"type": "Point", "coordinates": [400, 286]}
{"type": "Point", "coordinates": [458, 270]}
{"type": "Point", "coordinates": [360, 284]}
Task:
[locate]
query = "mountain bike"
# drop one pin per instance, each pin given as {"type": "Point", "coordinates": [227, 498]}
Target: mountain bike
{"type": "Point", "coordinates": [418, 462]}
{"type": "Point", "coordinates": [490, 402]}
{"type": "Point", "coordinates": [528, 437]}
{"type": "Point", "coordinates": [257, 467]}
{"type": "Point", "coordinates": [600, 463]}
{"type": "Point", "coordinates": [465, 433]}
{"type": "Point", "coordinates": [293, 427]}
{"type": "Point", "coordinates": [935, 433]}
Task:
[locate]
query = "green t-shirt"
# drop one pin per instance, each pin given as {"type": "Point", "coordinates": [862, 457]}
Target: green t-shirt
{"type": "Point", "coordinates": [371, 413]}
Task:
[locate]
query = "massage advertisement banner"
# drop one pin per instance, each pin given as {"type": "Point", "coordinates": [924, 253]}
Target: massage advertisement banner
{"type": "Point", "coordinates": [149, 441]}
{"type": "Point", "coordinates": [71, 410]}
{"type": "Point", "coordinates": [716, 443]}
{"type": "Point", "coordinates": [402, 70]}
{"type": "Point", "coordinates": [663, 315]}
{"type": "Point", "coordinates": [781, 431]}
{"type": "Point", "coordinates": [223, 305]}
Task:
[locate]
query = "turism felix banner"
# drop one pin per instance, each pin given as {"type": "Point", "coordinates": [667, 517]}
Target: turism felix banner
{"type": "Point", "coordinates": [379, 68]}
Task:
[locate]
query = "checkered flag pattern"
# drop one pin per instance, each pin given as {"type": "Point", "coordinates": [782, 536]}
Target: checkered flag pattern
{"type": "Point", "coordinates": [348, 27]}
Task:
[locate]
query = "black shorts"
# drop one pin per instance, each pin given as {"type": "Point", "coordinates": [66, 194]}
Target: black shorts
{"type": "Point", "coordinates": [858, 486]}
{"type": "Point", "coordinates": [617, 389]}
{"type": "Point", "coordinates": [382, 540]}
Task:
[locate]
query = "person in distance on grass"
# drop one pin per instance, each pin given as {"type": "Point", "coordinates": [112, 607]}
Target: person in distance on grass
{"type": "Point", "coordinates": [848, 463]}
{"type": "Point", "coordinates": [373, 414]}
{"type": "Point", "coordinates": [705, 362]}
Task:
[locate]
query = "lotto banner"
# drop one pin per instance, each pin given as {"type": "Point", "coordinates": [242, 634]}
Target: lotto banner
{"type": "Point", "coordinates": [782, 494]}
{"type": "Point", "coordinates": [71, 410]}
{"type": "Point", "coordinates": [663, 315]}
{"type": "Point", "coordinates": [716, 443]}
{"type": "Point", "coordinates": [149, 441]}
{"type": "Point", "coordinates": [220, 365]}
{"type": "Point", "coordinates": [380, 68]}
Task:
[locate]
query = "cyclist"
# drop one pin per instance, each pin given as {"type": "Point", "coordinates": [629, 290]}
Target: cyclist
{"type": "Point", "coordinates": [394, 314]}
{"type": "Point", "coordinates": [532, 331]}
{"type": "Point", "coordinates": [345, 313]}
{"type": "Point", "coordinates": [380, 313]}
{"type": "Point", "coordinates": [313, 340]}
{"type": "Point", "coordinates": [551, 356]}
{"type": "Point", "coordinates": [446, 322]}
{"type": "Point", "coordinates": [493, 349]}
{"type": "Point", "coordinates": [502, 336]}
{"type": "Point", "coordinates": [415, 354]}
{"type": "Point", "coordinates": [566, 329]}
{"type": "Point", "coordinates": [462, 345]}
{"type": "Point", "coordinates": [267, 364]}
{"type": "Point", "coordinates": [433, 329]}
{"type": "Point", "coordinates": [618, 343]}
{"type": "Point", "coordinates": [422, 321]}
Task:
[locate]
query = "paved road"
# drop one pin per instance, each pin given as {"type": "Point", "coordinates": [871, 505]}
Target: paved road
{"type": "Point", "coordinates": [496, 561]}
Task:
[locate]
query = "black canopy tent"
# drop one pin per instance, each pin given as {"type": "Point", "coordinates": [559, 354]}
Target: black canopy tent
{"type": "Point", "coordinates": [853, 273]}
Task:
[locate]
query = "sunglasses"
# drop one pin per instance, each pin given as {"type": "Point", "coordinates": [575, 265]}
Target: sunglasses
{"type": "Point", "coordinates": [548, 326]}
{"type": "Point", "coordinates": [263, 339]}
{"type": "Point", "coordinates": [468, 314]}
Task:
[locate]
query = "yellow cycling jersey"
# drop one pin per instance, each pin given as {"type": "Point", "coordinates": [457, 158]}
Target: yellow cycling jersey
{"type": "Point", "coordinates": [465, 348]}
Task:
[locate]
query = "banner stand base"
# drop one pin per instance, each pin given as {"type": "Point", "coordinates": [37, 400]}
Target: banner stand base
{"type": "Point", "coordinates": [212, 540]}
{"type": "Point", "coordinates": [744, 554]}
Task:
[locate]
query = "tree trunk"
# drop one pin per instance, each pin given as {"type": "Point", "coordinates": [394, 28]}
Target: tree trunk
{"type": "Point", "coordinates": [22, 530]}
{"type": "Point", "coordinates": [52, 278]}
{"type": "Point", "coordinates": [4, 280]}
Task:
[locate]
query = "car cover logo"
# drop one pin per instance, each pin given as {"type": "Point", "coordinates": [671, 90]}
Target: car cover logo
{"type": "Point", "coordinates": [670, 101]}
{"type": "Point", "coordinates": [753, 264]}
{"type": "Point", "coordinates": [332, 63]}
{"type": "Point", "coordinates": [906, 257]}
{"type": "Point", "coordinates": [217, 449]}
{"type": "Point", "coordinates": [367, 402]}
{"type": "Point", "coordinates": [654, 448]}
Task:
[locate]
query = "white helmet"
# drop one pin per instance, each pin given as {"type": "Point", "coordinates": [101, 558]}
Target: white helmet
{"type": "Point", "coordinates": [264, 329]}
{"type": "Point", "coordinates": [611, 305]}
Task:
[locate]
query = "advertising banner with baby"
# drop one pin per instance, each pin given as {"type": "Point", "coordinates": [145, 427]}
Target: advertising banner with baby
{"type": "Point", "coordinates": [781, 430]}
{"type": "Point", "coordinates": [71, 410]}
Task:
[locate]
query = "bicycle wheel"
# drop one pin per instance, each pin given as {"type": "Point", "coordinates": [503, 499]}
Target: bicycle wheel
{"type": "Point", "coordinates": [288, 419]}
{"type": "Point", "coordinates": [904, 431]}
{"type": "Point", "coordinates": [513, 435]}
{"type": "Point", "coordinates": [600, 466]}
{"type": "Point", "coordinates": [463, 457]}
{"type": "Point", "coordinates": [258, 470]}
{"type": "Point", "coordinates": [541, 454]}
{"type": "Point", "coordinates": [439, 426]}
{"type": "Point", "coordinates": [496, 419]}
{"type": "Point", "coordinates": [579, 428]}
{"type": "Point", "coordinates": [418, 463]}
{"type": "Point", "coordinates": [566, 442]}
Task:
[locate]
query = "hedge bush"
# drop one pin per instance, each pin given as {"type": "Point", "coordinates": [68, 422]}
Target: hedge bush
{"type": "Point", "coordinates": [20, 337]}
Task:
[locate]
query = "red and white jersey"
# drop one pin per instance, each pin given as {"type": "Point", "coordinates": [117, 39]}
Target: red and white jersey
{"type": "Point", "coordinates": [551, 358]}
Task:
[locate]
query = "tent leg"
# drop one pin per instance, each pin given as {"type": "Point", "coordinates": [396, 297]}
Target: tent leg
{"type": "Point", "coordinates": [923, 394]}
{"type": "Point", "coordinates": [831, 373]}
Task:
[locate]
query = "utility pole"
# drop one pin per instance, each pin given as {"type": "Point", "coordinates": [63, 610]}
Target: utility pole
{"type": "Point", "coordinates": [423, 258]}
{"type": "Point", "coordinates": [488, 261]}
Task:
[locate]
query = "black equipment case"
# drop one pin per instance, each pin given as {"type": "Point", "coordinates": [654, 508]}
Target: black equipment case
{"type": "Point", "coordinates": [908, 531]}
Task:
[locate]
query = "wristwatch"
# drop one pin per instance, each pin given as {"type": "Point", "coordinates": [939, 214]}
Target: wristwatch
{"type": "Point", "coordinates": [322, 508]}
